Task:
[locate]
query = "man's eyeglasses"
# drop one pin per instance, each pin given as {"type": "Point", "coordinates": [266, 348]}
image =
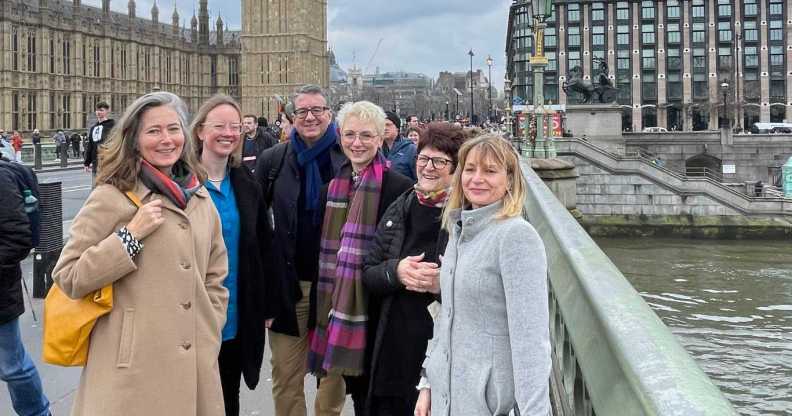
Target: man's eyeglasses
{"type": "Point", "coordinates": [316, 111]}
{"type": "Point", "coordinates": [221, 127]}
{"type": "Point", "coordinates": [365, 137]}
{"type": "Point", "coordinates": [437, 162]}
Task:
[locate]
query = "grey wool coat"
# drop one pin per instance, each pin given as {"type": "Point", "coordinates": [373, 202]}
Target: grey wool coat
{"type": "Point", "coordinates": [491, 346]}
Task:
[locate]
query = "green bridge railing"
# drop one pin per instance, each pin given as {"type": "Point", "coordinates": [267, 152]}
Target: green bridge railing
{"type": "Point", "coordinates": [611, 353]}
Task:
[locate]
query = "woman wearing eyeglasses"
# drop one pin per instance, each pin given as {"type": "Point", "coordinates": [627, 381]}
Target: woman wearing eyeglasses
{"type": "Point", "coordinates": [345, 315]}
{"type": "Point", "coordinates": [216, 134]}
{"type": "Point", "coordinates": [402, 269]}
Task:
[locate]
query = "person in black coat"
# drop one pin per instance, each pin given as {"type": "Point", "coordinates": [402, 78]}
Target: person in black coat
{"type": "Point", "coordinates": [402, 270]}
{"type": "Point", "coordinates": [252, 285]}
{"type": "Point", "coordinates": [362, 126]}
{"type": "Point", "coordinates": [16, 367]}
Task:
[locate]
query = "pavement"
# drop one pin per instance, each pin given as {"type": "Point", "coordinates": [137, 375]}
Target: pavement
{"type": "Point", "coordinates": [60, 384]}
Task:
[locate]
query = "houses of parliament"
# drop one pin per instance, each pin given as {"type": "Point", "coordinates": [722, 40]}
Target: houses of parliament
{"type": "Point", "coordinates": [60, 57]}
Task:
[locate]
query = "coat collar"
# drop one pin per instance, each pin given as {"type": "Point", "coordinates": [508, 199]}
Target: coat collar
{"type": "Point", "coordinates": [473, 221]}
{"type": "Point", "coordinates": [143, 192]}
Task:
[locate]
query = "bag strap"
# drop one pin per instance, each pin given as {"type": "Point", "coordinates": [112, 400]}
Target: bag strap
{"type": "Point", "coordinates": [134, 198]}
{"type": "Point", "coordinates": [272, 175]}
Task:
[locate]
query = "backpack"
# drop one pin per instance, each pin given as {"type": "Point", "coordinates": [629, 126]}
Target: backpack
{"type": "Point", "coordinates": [27, 183]}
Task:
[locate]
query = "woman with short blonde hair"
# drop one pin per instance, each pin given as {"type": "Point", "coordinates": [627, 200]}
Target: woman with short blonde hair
{"type": "Point", "coordinates": [494, 286]}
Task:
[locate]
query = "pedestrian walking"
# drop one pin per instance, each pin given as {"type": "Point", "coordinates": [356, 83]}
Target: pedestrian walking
{"type": "Point", "coordinates": [16, 240]}
{"type": "Point", "coordinates": [494, 286]}
{"type": "Point", "coordinates": [75, 140]}
{"type": "Point", "coordinates": [344, 321]}
{"type": "Point", "coordinates": [61, 146]}
{"type": "Point", "coordinates": [97, 134]}
{"type": "Point", "coordinates": [216, 133]}
{"type": "Point", "coordinates": [401, 269]}
{"type": "Point", "coordinates": [16, 144]}
{"type": "Point", "coordinates": [156, 351]}
{"type": "Point", "coordinates": [256, 141]}
{"type": "Point", "coordinates": [292, 175]}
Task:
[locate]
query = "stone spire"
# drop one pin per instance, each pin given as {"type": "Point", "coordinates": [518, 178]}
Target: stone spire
{"type": "Point", "coordinates": [219, 25]}
{"type": "Point", "coordinates": [106, 7]}
{"type": "Point", "coordinates": [155, 13]}
{"type": "Point", "coordinates": [194, 28]}
{"type": "Point", "coordinates": [203, 23]}
{"type": "Point", "coordinates": [131, 9]}
{"type": "Point", "coordinates": [175, 19]}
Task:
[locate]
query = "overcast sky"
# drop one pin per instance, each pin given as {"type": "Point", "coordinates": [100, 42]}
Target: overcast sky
{"type": "Point", "coordinates": [425, 36]}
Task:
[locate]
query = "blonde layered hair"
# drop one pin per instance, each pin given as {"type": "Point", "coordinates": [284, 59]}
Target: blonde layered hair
{"type": "Point", "coordinates": [365, 111]}
{"type": "Point", "coordinates": [235, 159]}
{"type": "Point", "coordinates": [119, 157]}
{"type": "Point", "coordinates": [493, 148]}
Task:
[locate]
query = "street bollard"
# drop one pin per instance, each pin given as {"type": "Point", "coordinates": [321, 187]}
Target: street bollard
{"type": "Point", "coordinates": [51, 242]}
{"type": "Point", "coordinates": [37, 156]}
{"type": "Point", "coordinates": [64, 155]}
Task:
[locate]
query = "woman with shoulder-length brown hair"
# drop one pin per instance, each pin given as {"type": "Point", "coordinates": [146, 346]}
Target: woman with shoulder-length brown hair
{"type": "Point", "coordinates": [216, 134]}
{"type": "Point", "coordinates": [494, 286]}
{"type": "Point", "coordinates": [166, 262]}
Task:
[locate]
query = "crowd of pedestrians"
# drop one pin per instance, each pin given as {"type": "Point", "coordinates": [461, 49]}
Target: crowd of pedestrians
{"type": "Point", "coordinates": [396, 269]}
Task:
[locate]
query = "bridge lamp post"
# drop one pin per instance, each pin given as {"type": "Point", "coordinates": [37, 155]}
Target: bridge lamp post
{"type": "Point", "coordinates": [470, 121]}
{"type": "Point", "coordinates": [725, 89]}
{"type": "Point", "coordinates": [540, 11]}
{"type": "Point", "coordinates": [489, 86]}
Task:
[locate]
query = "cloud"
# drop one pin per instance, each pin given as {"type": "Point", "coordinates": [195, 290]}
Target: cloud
{"type": "Point", "coordinates": [426, 36]}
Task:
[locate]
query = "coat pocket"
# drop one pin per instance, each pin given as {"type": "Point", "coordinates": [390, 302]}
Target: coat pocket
{"type": "Point", "coordinates": [499, 390]}
{"type": "Point", "coordinates": [127, 338]}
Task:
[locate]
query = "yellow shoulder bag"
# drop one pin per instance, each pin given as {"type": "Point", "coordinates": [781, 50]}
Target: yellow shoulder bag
{"type": "Point", "coordinates": [68, 322]}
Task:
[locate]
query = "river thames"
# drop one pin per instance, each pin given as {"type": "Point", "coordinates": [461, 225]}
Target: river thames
{"type": "Point", "coordinates": [730, 305]}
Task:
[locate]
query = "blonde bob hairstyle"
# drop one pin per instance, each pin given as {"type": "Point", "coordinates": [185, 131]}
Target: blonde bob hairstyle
{"type": "Point", "coordinates": [119, 157]}
{"type": "Point", "coordinates": [235, 159]}
{"type": "Point", "coordinates": [365, 111]}
{"type": "Point", "coordinates": [495, 149]}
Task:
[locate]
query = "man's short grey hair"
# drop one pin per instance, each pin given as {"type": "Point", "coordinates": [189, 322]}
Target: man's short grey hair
{"type": "Point", "coordinates": [310, 89]}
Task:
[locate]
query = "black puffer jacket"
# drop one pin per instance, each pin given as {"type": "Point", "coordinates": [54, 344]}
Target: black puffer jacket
{"type": "Point", "coordinates": [15, 244]}
{"type": "Point", "coordinates": [396, 363]}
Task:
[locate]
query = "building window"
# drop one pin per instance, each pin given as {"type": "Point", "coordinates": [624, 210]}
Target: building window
{"type": "Point", "coordinates": [698, 10]}
{"type": "Point", "coordinates": [698, 35]}
{"type": "Point", "coordinates": [751, 33]}
{"type": "Point", "coordinates": [647, 9]}
{"type": "Point", "coordinates": [649, 89]}
{"type": "Point", "coordinates": [15, 111]}
{"type": "Point", "coordinates": [776, 30]}
{"type": "Point", "coordinates": [573, 33]}
{"type": "Point", "coordinates": [31, 111]}
{"type": "Point", "coordinates": [14, 48]}
{"type": "Point", "coordinates": [751, 9]}
{"type": "Point", "coordinates": [233, 72]}
{"type": "Point", "coordinates": [85, 59]}
{"type": "Point", "coordinates": [123, 63]}
{"type": "Point", "coordinates": [96, 61]}
{"type": "Point", "coordinates": [648, 60]}
{"type": "Point", "coordinates": [674, 61]}
{"type": "Point", "coordinates": [550, 39]}
{"type": "Point", "coordinates": [776, 8]}
{"type": "Point", "coordinates": [700, 60]}
{"type": "Point", "coordinates": [31, 51]}
{"type": "Point", "coordinates": [623, 35]}
{"type": "Point", "coordinates": [724, 59]}
{"type": "Point", "coordinates": [751, 57]}
{"type": "Point", "coordinates": [623, 10]}
{"type": "Point", "coordinates": [552, 61]}
{"type": "Point", "coordinates": [674, 36]}
{"type": "Point", "coordinates": [598, 12]}
{"type": "Point", "coordinates": [623, 60]}
{"type": "Point", "coordinates": [168, 69]}
{"type": "Point", "coordinates": [52, 56]}
{"type": "Point", "coordinates": [67, 56]}
{"type": "Point", "coordinates": [573, 12]}
{"type": "Point", "coordinates": [574, 59]}
{"type": "Point", "coordinates": [598, 37]}
{"type": "Point", "coordinates": [66, 113]}
{"type": "Point", "coordinates": [647, 34]}
{"type": "Point", "coordinates": [777, 89]}
{"type": "Point", "coordinates": [724, 32]}
{"type": "Point", "coordinates": [53, 112]}
{"type": "Point", "coordinates": [724, 8]}
{"type": "Point", "coordinates": [777, 56]}
{"type": "Point", "coordinates": [672, 10]}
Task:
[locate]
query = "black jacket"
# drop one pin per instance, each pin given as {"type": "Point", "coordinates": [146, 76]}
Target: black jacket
{"type": "Point", "coordinates": [379, 276]}
{"type": "Point", "coordinates": [15, 244]}
{"type": "Point", "coordinates": [258, 289]}
{"type": "Point", "coordinates": [286, 193]}
{"type": "Point", "coordinates": [95, 137]}
{"type": "Point", "coordinates": [263, 140]}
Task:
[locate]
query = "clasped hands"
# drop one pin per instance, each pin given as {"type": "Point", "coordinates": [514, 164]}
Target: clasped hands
{"type": "Point", "coordinates": [419, 276]}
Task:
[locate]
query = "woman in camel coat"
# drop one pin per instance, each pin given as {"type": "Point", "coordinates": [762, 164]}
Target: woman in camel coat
{"type": "Point", "coordinates": [156, 352]}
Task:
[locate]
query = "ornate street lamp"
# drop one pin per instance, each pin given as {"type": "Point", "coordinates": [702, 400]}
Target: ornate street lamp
{"type": "Point", "coordinates": [539, 12]}
{"type": "Point", "coordinates": [725, 88]}
{"type": "Point", "coordinates": [489, 86]}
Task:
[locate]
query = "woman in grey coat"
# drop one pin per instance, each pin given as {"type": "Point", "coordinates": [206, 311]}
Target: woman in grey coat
{"type": "Point", "coordinates": [490, 353]}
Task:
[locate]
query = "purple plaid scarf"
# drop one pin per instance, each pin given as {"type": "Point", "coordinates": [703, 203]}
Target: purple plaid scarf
{"type": "Point", "coordinates": [338, 342]}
